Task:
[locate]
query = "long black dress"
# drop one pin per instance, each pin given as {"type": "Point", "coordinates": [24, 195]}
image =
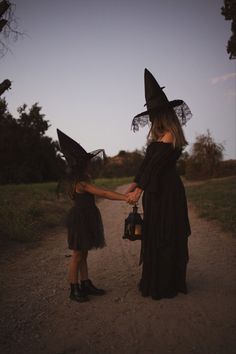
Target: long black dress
{"type": "Point", "coordinates": [84, 224]}
{"type": "Point", "coordinates": [164, 251]}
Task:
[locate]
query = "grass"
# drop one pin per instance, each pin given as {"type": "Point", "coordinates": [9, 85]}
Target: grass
{"type": "Point", "coordinates": [216, 200]}
{"type": "Point", "coordinates": [112, 183]}
{"type": "Point", "coordinates": [27, 210]}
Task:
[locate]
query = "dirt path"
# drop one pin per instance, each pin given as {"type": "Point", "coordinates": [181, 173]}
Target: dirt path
{"type": "Point", "coordinates": [37, 316]}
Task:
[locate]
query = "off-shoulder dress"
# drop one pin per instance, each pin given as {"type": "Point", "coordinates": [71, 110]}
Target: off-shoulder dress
{"type": "Point", "coordinates": [164, 250]}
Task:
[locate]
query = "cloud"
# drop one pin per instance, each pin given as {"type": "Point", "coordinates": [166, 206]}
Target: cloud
{"type": "Point", "coordinates": [215, 80]}
{"type": "Point", "coordinates": [231, 93]}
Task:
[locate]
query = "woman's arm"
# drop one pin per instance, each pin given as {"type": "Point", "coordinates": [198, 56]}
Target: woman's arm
{"type": "Point", "coordinates": [131, 187]}
{"type": "Point", "coordinates": [158, 162]}
{"type": "Point", "coordinates": [100, 192]}
{"type": "Point", "coordinates": [149, 163]}
{"type": "Point", "coordinates": [142, 166]}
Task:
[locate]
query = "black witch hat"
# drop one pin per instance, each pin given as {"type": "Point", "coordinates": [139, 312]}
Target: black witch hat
{"type": "Point", "coordinates": [157, 102]}
{"type": "Point", "coordinates": [75, 155]}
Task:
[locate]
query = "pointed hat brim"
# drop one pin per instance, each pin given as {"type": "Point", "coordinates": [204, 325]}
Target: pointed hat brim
{"type": "Point", "coordinates": [74, 153]}
{"type": "Point", "coordinates": [157, 102]}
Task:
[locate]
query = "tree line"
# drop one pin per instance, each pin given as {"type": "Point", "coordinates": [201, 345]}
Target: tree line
{"type": "Point", "coordinates": [205, 160]}
{"type": "Point", "coordinates": [28, 155]}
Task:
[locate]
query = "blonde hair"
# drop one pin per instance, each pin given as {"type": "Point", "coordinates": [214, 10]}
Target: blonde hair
{"type": "Point", "coordinates": [164, 122]}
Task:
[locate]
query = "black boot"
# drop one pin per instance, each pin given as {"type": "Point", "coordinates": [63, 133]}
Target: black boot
{"type": "Point", "coordinates": [77, 294]}
{"type": "Point", "coordinates": [89, 289]}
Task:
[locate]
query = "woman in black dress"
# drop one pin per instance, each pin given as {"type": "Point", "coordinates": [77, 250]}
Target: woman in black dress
{"type": "Point", "coordinates": [164, 250]}
{"type": "Point", "coordinates": [84, 222]}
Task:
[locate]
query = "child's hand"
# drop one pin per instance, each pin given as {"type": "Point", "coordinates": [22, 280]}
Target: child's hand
{"type": "Point", "coordinates": [130, 198]}
{"type": "Point", "coordinates": [133, 197]}
{"type": "Point", "coordinates": [127, 199]}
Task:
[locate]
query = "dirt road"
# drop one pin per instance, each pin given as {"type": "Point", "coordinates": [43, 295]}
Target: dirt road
{"type": "Point", "coordinates": [38, 317]}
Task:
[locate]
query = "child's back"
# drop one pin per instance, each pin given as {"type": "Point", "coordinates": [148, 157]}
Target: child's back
{"type": "Point", "coordinates": [84, 223]}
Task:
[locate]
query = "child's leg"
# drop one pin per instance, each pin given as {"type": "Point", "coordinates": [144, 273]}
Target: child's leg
{"type": "Point", "coordinates": [83, 267]}
{"type": "Point", "coordinates": [86, 285]}
{"type": "Point", "coordinates": [74, 266]}
{"type": "Point", "coordinates": [76, 294]}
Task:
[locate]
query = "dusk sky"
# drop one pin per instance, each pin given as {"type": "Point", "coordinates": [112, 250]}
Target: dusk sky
{"type": "Point", "coordinates": [84, 62]}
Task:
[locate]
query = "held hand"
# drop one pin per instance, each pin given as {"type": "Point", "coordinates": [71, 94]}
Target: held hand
{"type": "Point", "coordinates": [130, 201]}
{"type": "Point", "coordinates": [127, 199]}
{"type": "Point", "coordinates": [133, 197]}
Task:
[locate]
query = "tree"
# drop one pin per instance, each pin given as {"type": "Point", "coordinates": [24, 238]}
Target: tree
{"type": "Point", "coordinates": [122, 165]}
{"type": "Point", "coordinates": [33, 120]}
{"type": "Point", "coordinates": [4, 6]}
{"type": "Point", "coordinates": [229, 12]}
{"type": "Point", "coordinates": [26, 153]}
{"type": "Point", "coordinates": [205, 157]}
{"type": "Point", "coordinates": [182, 162]}
{"type": "Point", "coordinates": [8, 31]}
{"type": "Point", "coordinates": [8, 25]}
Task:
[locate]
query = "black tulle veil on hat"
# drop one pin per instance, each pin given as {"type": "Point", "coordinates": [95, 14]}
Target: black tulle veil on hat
{"type": "Point", "coordinates": [157, 102]}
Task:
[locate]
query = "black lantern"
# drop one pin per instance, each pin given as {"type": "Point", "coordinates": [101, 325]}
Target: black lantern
{"type": "Point", "coordinates": [133, 225]}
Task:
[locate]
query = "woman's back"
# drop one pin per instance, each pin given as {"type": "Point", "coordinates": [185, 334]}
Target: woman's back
{"type": "Point", "coordinates": [159, 167]}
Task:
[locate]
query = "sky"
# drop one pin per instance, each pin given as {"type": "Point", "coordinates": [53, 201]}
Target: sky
{"type": "Point", "coordinates": [83, 61]}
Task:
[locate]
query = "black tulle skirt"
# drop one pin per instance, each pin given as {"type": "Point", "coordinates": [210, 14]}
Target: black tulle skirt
{"type": "Point", "coordinates": [84, 224]}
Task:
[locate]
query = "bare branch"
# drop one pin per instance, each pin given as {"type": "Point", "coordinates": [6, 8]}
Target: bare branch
{"type": "Point", "coordinates": [4, 5]}
{"type": "Point", "coordinates": [5, 85]}
{"type": "Point", "coordinates": [8, 26]}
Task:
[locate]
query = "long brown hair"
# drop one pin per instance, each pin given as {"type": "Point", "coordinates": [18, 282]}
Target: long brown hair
{"type": "Point", "coordinates": [167, 121]}
{"type": "Point", "coordinates": [79, 174]}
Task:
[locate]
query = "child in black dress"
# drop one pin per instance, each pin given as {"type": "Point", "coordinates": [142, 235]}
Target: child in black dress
{"type": "Point", "coordinates": [84, 222]}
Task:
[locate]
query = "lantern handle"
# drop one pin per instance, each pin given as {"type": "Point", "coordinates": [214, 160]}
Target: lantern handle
{"type": "Point", "coordinates": [135, 208]}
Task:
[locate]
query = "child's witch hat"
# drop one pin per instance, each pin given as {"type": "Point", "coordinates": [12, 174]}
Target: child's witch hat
{"type": "Point", "coordinates": [75, 155]}
{"type": "Point", "coordinates": [157, 102]}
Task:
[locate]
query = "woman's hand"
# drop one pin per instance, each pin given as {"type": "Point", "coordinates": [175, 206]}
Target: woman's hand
{"type": "Point", "coordinates": [134, 196]}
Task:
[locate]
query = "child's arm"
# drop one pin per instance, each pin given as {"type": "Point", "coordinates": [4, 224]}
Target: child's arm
{"type": "Point", "coordinates": [100, 192]}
